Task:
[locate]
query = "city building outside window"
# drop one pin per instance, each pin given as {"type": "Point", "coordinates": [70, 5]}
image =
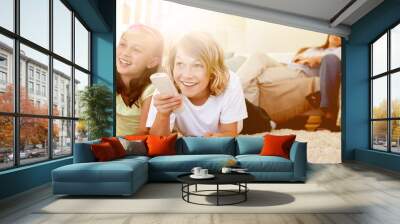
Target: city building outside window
{"type": "Point", "coordinates": [30, 72]}
{"type": "Point", "coordinates": [38, 89]}
{"type": "Point", "coordinates": [30, 87]}
{"type": "Point", "coordinates": [3, 72]}
{"type": "Point", "coordinates": [3, 78]}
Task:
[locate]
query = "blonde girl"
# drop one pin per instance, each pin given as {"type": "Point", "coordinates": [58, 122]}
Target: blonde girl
{"type": "Point", "coordinates": [138, 55]}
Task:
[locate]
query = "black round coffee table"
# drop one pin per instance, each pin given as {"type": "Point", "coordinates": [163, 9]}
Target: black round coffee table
{"type": "Point", "coordinates": [238, 179]}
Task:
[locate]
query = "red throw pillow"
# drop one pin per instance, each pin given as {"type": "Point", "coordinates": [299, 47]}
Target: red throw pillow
{"type": "Point", "coordinates": [135, 137]}
{"type": "Point", "coordinates": [161, 145]}
{"type": "Point", "coordinates": [103, 151]}
{"type": "Point", "coordinates": [277, 145]}
{"type": "Point", "coordinates": [116, 145]}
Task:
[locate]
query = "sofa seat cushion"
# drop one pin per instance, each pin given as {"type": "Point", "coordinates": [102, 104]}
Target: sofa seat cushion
{"type": "Point", "coordinates": [257, 163]}
{"type": "Point", "coordinates": [185, 163]}
{"type": "Point", "coordinates": [133, 158]}
{"type": "Point", "coordinates": [111, 171]}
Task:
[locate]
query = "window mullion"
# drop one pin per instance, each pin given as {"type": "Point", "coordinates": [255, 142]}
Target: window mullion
{"type": "Point", "coordinates": [50, 81]}
{"type": "Point", "coordinates": [16, 84]}
{"type": "Point", "coordinates": [371, 140]}
{"type": "Point", "coordinates": [73, 83]}
{"type": "Point", "coordinates": [389, 104]}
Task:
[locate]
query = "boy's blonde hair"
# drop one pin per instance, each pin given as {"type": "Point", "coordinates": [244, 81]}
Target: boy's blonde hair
{"type": "Point", "coordinates": [205, 48]}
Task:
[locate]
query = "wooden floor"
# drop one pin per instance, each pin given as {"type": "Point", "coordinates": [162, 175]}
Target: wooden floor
{"type": "Point", "coordinates": [377, 188]}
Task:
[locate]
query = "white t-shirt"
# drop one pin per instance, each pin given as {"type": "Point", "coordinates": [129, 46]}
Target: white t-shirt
{"type": "Point", "coordinates": [228, 107]}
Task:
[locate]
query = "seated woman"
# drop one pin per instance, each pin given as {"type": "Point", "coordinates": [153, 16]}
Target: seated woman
{"type": "Point", "coordinates": [212, 98]}
{"type": "Point", "coordinates": [322, 61]}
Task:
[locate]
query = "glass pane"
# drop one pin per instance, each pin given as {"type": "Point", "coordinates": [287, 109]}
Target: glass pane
{"type": "Point", "coordinates": [33, 139]}
{"type": "Point", "coordinates": [34, 92]}
{"type": "Point", "coordinates": [62, 89]}
{"type": "Point", "coordinates": [379, 135]}
{"type": "Point", "coordinates": [379, 55]}
{"type": "Point", "coordinates": [379, 97]}
{"type": "Point", "coordinates": [62, 29]}
{"type": "Point", "coordinates": [395, 47]}
{"type": "Point", "coordinates": [6, 74]}
{"type": "Point", "coordinates": [6, 142]}
{"type": "Point", "coordinates": [62, 138]}
{"type": "Point", "coordinates": [81, 81]}
{"type": "Point", "coordinates": [81, 131]}
{"type": "Point", "coordinates": [395, 94]}
{"type": "Point", "coordinates": [395, 136]}
{"type": "Point", "coordinates": [7, 14]}
{"type": "Point", "coordinates": [35, 21]}
{"type": "Point", "coordinates": [81, 45]}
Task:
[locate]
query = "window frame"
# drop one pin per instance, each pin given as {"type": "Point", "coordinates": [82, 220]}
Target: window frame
{"type": "Point", "coordinates": [16, 115]}
{"type": "Point", "coordinates": [388, 74]}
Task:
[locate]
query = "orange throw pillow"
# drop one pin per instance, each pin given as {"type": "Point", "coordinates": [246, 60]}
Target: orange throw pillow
{"type": "Point", "coordinates": [116, 145]}
{"type": "Point", "coordinates": [161, 145]}
{"type": "Point", "coordinates": [135, 137]}
{"type": "Point", "coordinates": [103, 151]}
{"type": "Point", "coordinates": [277, 145]}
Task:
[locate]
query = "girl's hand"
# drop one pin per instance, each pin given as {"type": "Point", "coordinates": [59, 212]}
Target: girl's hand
{"type": "Point", "coordinates": [166, 104]}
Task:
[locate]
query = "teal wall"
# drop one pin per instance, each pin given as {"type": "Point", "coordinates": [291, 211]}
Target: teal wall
{"type": "Point", "coordinates": [103, 64]}
{"type": "Point", "coordinates": [356, 99]}
{"type": "Point", "coordinates": [99, 16]}
{"type": "Point", "coordinates": [24, 178]}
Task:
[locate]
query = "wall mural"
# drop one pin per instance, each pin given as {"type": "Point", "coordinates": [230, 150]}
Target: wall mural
{"type": "Point", "coordinates": [221, 75]}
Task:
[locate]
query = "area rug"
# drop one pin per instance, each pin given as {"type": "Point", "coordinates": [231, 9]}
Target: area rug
{"type": "Point", "coordinates": [166, 198]}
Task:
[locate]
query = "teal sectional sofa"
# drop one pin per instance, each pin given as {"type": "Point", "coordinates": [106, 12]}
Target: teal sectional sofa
{"type": "Point", "coordinates": [125, 176]}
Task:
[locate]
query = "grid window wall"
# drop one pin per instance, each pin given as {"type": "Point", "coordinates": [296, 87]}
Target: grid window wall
{"type": "Point", "coordinates": [385, 91]}
{"type": "Point", "coordinates": [44, 64]}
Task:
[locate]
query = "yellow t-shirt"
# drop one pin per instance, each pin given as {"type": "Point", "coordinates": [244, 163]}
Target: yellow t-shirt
{"type": "Point", "coordinates": [128, 117]}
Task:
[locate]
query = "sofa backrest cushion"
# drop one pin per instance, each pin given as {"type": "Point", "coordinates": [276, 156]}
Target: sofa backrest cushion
{"type": "Point", "coordinates": [277, 145]}
{"type": "Point", "coordinates": [249, 144]}
{"type": "Point", "coordinates": [161, 145]}
{"type": "Point", "coordinates": [104, 151]}
{"type": "Point", "coordinates": [118, 148]}
{"type": "Point", "coordinates": [83, 152]}
{"type": "Point", "coordinates": [205, 145]}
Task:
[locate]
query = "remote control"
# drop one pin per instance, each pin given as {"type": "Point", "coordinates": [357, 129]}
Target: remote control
{"type": "Point", "coordinates": [165, 86]}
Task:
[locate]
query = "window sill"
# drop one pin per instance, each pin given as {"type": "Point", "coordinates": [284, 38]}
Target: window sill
{"type": "Point", "coordinates": [26, 167]}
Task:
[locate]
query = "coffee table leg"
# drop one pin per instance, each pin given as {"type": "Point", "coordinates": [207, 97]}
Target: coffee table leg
{"type": "Point", "coordinates": [245, 191]}
{"type": "Point", "coordinates": [217, 194]}
{"type": "Point", "coordinates": [188, 189]}
{"type": "Point", "coordinates": [196, 188]}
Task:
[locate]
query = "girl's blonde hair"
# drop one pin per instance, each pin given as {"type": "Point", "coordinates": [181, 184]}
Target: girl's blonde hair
{"type": "Point", "coordinates": [205, 48]}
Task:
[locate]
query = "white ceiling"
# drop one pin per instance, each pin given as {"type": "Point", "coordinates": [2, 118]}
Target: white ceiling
{"type": "Point", "coordinates": [315, 15]}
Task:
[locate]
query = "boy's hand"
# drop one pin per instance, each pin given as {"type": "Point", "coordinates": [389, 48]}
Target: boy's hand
{"type": "Point", "coordinates": [166, 104]}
